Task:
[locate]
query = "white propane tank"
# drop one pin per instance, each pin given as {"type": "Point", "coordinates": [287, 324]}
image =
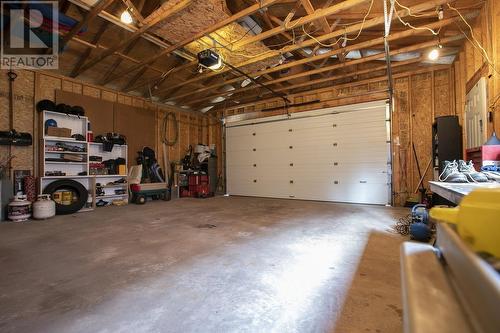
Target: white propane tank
{"type": "Point", "coordinates": [44, 207]}
{"type": "Point", "coordinates": [19, 209]}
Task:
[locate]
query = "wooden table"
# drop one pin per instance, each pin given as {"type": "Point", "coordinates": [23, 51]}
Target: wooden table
{"type": "Point", "coordinates": [454, 192]}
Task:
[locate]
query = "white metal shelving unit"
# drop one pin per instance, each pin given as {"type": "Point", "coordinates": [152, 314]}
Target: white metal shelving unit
{"type": "Point", "coordinates": [55, 147]}
{"type": "Point", "coordinates": [119, 151]}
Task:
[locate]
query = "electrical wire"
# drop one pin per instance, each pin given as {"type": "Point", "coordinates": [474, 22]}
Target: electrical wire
{"type": "Point", "coordinates": [408, 24]}
{"type": "Point", "coordinates": [474, 40]}
{"type": "Point", "coordinates": [410, 13]}
{"type": "Point", "coordinates": [239, 39]}
{"type": "Point", "coordinates": [402, 226]}
{"type": "Point", "coordinates": [345, 36]}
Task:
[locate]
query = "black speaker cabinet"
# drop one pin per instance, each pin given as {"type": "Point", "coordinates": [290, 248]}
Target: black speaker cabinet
{"type": "Point", "coordinates": [446, 141]}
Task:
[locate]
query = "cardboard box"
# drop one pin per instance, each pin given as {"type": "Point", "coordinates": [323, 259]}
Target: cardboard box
{"type": "Point", "coordinates": [59, 132]}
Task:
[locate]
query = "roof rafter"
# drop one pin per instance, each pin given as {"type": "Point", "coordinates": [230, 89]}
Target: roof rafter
{"type": "Point", "coordinates": [91, 14]}
{"type": "Point", "coordinates": [339, 66]}
{"type": "Point", "coordinates": [248, 11]}
{"type": "Point", "coordinates": [129, 48]}
{"type": "Point", "coordinates": [353, 28]}
{"type": "Point", "coordinates": [88, 51]}
{"type": "Point", "coordinates": [357, 46]}
{"type": "Point", "coordinates": [350, 84]}
{"type": "Point", "coordinates": [157, 16]}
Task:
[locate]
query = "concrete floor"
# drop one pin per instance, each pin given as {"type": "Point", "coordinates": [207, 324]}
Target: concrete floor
{"type": "Point", "coordinates": [268, 265]}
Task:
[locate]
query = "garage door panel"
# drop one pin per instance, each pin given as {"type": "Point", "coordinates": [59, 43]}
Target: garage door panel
{"type": "Point", "coordinates": [244, 144]}
{"type": "Point", "coordinates": [339, 147]}
{"type": "Point", "coordinates": [313, 123]}
{"type": "Point", "coordinates": [248, 187]}
{"type": "Point", "coordinates": [350, 193]}
{"type": "Point", "coordinates": [244, 187]}
{"type": "Point", "coordinates": [238, 157]}
{"type": "Point", "coordinates": [320, 168]}
{"type": "Point", "coordinates": [315, 138]}
{"type": "Point", "coordinates": [337, 157]}
{"type": "Point", "coordinates": [362, 175]}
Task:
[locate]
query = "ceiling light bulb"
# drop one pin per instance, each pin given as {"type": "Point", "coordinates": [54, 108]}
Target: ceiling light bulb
{"type": "Point", "coordinates": [440, 13]}
{"type": "Point", "coordinates": [126, 17]}
{"type": "Point", "coordinates": [434, 54]}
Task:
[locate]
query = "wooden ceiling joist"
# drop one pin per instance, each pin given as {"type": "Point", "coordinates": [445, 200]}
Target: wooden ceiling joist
{"type": "Point", "coordinates": [319, 90]}
{"type": "Point", "coordinates": [340, 32]}
{"type": "Point", "coordinates": [101, 46]}
{"type": "Point", "coordinates": [275, 31]}
{"type": "Point", "coordinates": [259, 95]}
{"type": "Point", "coordinates": [149, 81]}
{"type": "Point", "coordinates": [91, 14]}
{"type": "Point", "coordinates": [85, 55]}
{"type": "Point", "coordinates": [358, 46]}
{"type": "Point", "coordinates": [318, 14]}
{"type": "Point", "coordinates": [248, 11]}
{"type": "Point", "coordinates": [157, 16]}
{"type": "Point", "coordinates": [269, 19]}
{"type": "Point", "coordinates": [348, 63]}
{"type": "Point", "coordinates": [104, 80]}
{"type": "Point", "coordinates": [134, 79]}
{"type": "Point", "coordinates": [137, 10]}
{"type": "Point", "coordinates": [308, 83]}
{"type": "Point", "coordinates": [322, 22]}
{"type": "Point", "coordinates": [116, 21]}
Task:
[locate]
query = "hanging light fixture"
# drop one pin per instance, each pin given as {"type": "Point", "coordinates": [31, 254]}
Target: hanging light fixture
{"type": "Point", "coordinates": [126, 17]}
{"type": "Point", "coordinates": [434, 53]}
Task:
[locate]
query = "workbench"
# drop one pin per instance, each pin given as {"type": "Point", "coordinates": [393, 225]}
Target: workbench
{"type": "Point", "coordinates": [454, 192]}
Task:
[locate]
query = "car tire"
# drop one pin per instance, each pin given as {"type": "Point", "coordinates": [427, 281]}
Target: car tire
{"type": "Point", "coordinates": [73, 186]}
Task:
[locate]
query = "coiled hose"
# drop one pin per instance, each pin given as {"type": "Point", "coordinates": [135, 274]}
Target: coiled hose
{"type": "Point", "coordinates": [166, 142]}
{"type": "Point", "coordinates": [164, 133]}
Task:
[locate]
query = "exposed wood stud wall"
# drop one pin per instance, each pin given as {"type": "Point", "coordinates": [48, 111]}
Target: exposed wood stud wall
{"type": "Point", "coordinates": [31, 87]}
{"type": "Point", "coordinates": [470, 61]}
{"type": "Point", "coordinates": [24, 93]}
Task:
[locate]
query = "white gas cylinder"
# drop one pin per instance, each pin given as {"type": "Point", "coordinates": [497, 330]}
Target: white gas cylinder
{"type": "Point", "coordinates": [19, 209]}
{"type": "Point", "coordinates": [44, 207]}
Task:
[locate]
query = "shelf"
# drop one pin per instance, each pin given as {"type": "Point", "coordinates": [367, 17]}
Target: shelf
{"type": "Point", "coordinates": [113, 186]}
{"type": "Point", "coordinates": [87, 176]}
{"type": "Point", "coordinates": [99, 143]}
{"type": "Point", "coordinates": [66, 115]}
{"type": "Point", "coordinates": [61, 139]}
{"type": "Point", "coordinates": [111, 196]}
{"type": "Point", "coordinates": [66, 177]}
{"type": "Point", "coordinates": [65, 152]}
{"type": "Point", "coordinates": [76, 163]}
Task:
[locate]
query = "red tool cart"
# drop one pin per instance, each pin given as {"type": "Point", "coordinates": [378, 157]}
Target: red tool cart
{"type": "Point", "coordinates": [198, 186]}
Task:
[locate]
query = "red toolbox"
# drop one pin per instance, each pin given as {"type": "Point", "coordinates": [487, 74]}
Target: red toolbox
{"type": "Point", "coordinates": [484, 155]}
{"type": "Point", "coordinates": [199, 185]}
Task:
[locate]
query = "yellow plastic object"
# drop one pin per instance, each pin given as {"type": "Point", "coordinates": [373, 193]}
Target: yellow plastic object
{"type": "Point", "coordinates": [122, 169]}
{"type": "Point", "coordinates": [477, 219]}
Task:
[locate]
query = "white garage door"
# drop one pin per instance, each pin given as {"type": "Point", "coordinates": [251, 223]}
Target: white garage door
{"type": "Point", "coordinates": [320, 155]}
